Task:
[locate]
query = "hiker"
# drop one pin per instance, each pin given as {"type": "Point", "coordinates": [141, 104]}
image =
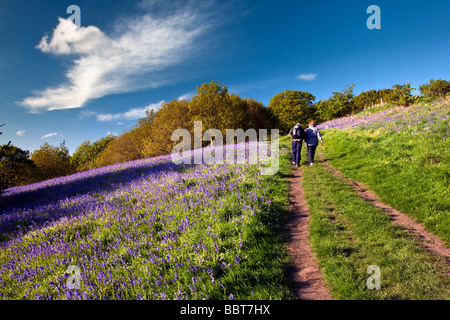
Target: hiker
{"type": "Point", "coordinates": [312, 137]}
{"type": "Point", "coordinates": [297, 135]}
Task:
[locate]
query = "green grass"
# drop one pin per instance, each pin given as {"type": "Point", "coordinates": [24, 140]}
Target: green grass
{"type": "Point", "coordinates": [233, 248]}
{"type": "Point", "coordinates": [263, 274]}
{"type": "Point", "coordinates": [376, 109]}
{"type": "Point", "coordinates": [409, 172]}
{"type": "Point", "coordinates": [348, 235]}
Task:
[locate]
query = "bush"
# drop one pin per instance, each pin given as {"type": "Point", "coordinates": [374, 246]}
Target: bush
{"type": "Point", "coordinates": [436, 88]}
{"type": "Point", "coordinates": [292, 107]}
{"type": "Point", "coordinates": [401, 94]}
{"type": "Point", "coordinates": [52, 162]}
{"type": "Point", "coordinates": [87, 154]}
{"type": "Point", "coordinates": [16, 168]}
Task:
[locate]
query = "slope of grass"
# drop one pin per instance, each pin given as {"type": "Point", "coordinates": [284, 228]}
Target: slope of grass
{"type": "Point", "coordinates": [376, 109]}
{"type": "Point", "coordinates": [157, 231]}
{"type": "Point", "coordinates": [348, 235]}
{"type": "Point", "coordinates": [404, 159]}
{"type": "Point", "coordinates": [264, 273]}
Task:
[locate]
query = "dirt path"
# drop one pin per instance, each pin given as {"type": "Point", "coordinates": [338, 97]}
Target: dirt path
{"type": "Point", "coordinates": [307, 276]}
{"type": "Point", "coordinates": [431, 242]}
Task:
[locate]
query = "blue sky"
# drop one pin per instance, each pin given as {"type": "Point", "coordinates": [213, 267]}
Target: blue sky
{"type": "Point", "coordinates": [60, 82]}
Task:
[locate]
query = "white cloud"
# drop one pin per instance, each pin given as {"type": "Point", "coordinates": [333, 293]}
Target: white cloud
{"type": "Point", "coordinates": [21, 133]}
{"type": "Point", "coordinates": [49, 135]}
{"type": "Point", "coordinates": [68, 39]}
{"type": "Point", "coordinates": [132, 114]}
{"type": "Point", "coordinates": [107, 64]}
{"type": "Point", "coordinates": [307, 76]}
{"type": "Point", "coordinates": [185, 96]}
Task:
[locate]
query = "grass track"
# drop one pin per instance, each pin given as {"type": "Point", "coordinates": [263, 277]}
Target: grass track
{"type": "Point", "coordinates": [405, 161]}
{"type": "Point", "coordinates": [349, 234]}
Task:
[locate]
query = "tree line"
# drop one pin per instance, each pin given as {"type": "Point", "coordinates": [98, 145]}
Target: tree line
{"type": "Point", "coordinates": [217, 108]}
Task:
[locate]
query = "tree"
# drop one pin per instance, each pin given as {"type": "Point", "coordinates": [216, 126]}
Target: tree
{"type": "Point", "coordinates": [210, 105]}
{"type": "Point", "coordinates": [340, 104]}
{"type": "Point", "coordinates": [122, 149]}
{"type": "Point", "coordinates": [52, 162]}
{"type": "Point", "coordinates": [261, 117]}
{"type": "Point", "coordinates": [16, 168]}
{"type": "Point", "coordinates": [386, 95]}
{"type": "Point", "coordinates": [237, 114]}
{"type": "Point", "coordinates": [171, 116]}
{"type": "Point", "coordinates": [324, 110]}
{"type": "Point", "coordinates": [401, 94]}
{"type": "Point", "coordinates": [87, 154]}
{"type": "Point", "coordinates": [342, 101]}
{"type": "Point", "coordinates": [292, 107]}
{"type": "Point", "coordinates": [218, 109]}
{"type": "Point", "coordinates": [80, 158]}
{"type": "Point", "coordinates": [142, 132]}
{"type": "Point", "coordinates": [365, 99]}
{"type": "Point", "coordinates": [372, 97]}
{"type": "Point", "coordinates": [435, 88]}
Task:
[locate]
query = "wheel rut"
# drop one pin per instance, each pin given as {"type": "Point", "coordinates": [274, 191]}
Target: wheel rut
{"type": "Point", "coordinates": [305, 274]}
{"type": "Point", "coordinates": [428, 240]}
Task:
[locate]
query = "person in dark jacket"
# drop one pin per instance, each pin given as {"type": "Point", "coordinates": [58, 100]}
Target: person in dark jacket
{"type": "Point", "coordinates": [312, 138]}
{"type": "Point", "coordinates": [297, 135]}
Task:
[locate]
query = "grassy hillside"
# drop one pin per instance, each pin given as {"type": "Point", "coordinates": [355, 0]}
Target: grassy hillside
{"type": "Point", "coordinates": [403, 154]}
{"type": "Point", "coordinates": [147, 230]}
{"type": "Point", "coordinates": [349, 234]}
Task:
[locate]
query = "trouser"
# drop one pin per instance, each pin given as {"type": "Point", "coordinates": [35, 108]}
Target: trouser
{"type": "Point", "coordinates": [296, 150]}
{"type": "Point", "coordinates": [311, 153]}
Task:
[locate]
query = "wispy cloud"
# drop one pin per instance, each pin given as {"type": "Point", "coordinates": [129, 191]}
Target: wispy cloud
{"type": "Point", "coordinates": [307, 76]}
{"type": "Point", "coordinates": [21, 133]}
{"type": "Point", "coordinates": [107, 64]}
{"type": "Point", "coordinates": [86, 114]}
{"type": "Point", "coordinates": [186, 96]}
{"type": "Point", "coordinates": [131, 114]}
{"type": "Point", "coordinates": [49, 135]}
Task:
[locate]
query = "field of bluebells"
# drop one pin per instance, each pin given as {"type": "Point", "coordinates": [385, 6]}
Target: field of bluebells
{"type": "Point", "coordinates": [403, 154]}
{"type": "Point", "coordinates": [417, 119]}
{"type": "Point", "coordinates": [146, 229]}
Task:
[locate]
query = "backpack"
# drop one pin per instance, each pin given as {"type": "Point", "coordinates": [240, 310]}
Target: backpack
{"type": "Point", "coordinates": [298, 132]}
